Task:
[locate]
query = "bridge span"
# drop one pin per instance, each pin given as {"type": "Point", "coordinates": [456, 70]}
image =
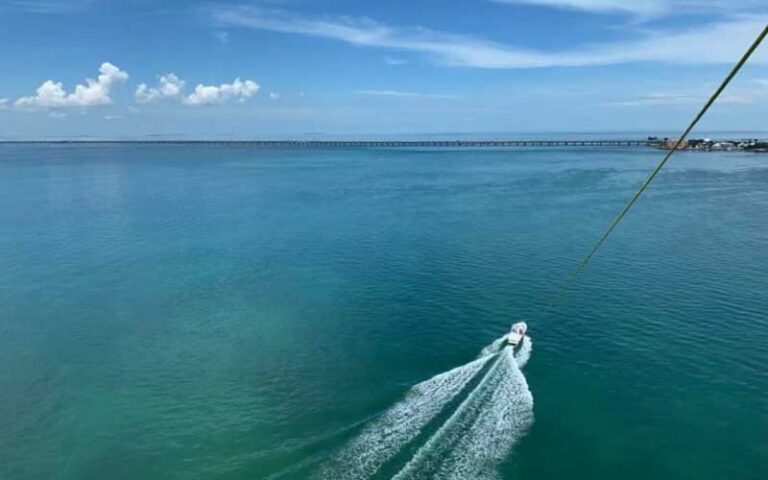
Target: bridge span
{"type": "Point", "coordinates": [359, 143]}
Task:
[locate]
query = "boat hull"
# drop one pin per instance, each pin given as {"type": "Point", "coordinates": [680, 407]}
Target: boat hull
{"type": "Point", "coordinates": [516, 336]}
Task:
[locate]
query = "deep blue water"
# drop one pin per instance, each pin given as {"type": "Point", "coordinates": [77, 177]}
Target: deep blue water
{"type": "Point", "coordinates": [175, 312]}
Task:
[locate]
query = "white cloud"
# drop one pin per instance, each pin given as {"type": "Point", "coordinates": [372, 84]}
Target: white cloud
{"type": "Point", "coordinates": [3, 103]}
{"type": "Point", "coordinates": [212, 94]}
{"type": "Point", "coordinates": [96, 92]}
{"type": "Point", "coordinates": [717, 43]}
{"type": "Point", "coordinates": [169, 86]}
{"type": "Point", "coordinates": [57, 114]}
{"type": "Point", "coordinates": [396, 93]}
{"type": "Point", "coordinates": [274, 96]}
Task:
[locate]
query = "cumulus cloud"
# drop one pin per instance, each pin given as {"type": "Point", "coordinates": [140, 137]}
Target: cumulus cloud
{"type": "Point", "coordinates": [212, 94]}
{"type": "Point", "coordinates": [721, 42]}
{"type": "Point", "coordinates": [3, 103]}
{"type": "Point", "coordinates": [95, 92]}
{"type": "Point", "coordinates": [169, 86]}
{"type": "Point", "coordinates": [274, 95]}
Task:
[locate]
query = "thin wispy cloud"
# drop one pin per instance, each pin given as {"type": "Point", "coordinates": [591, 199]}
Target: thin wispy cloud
{"type": "Point", "coordinates": [718, 43]}
{"type": "Point", "coordinates": [48, 6]}
{"type": "Point", "coordinates": [221, 37]}
{"type": "Point", "coordinates": [658, 99]}
{"type": "Point", "coordinates": [752, 93]}
{"type": "Point", "coordinates": [636, 7]}
{"type": "Point", "coordinates": [397, 93]}
{"type": "Point", "coordinates": [395, 61]}
{"type": "Point", "coordinates": [644, 8]}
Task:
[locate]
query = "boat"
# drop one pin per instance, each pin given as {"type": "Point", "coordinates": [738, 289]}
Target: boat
{"type": "Point", "coordinates": [516, 335]}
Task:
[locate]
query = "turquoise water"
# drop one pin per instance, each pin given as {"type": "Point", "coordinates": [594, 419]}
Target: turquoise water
{"type": "Point", "coordinates": [237, 313]}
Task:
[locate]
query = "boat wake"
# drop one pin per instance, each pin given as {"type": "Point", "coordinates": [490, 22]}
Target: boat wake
{"type": "Point", "coordinates": [461, 424]}
{"type": "Point", "coordinates": [521, 356]}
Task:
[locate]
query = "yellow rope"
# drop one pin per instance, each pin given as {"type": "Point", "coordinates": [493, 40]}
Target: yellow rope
{"type": "Point", "coordinates": [656, 170]}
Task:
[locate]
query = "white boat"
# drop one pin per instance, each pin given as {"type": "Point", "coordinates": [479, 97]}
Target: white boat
{"type": "Point", "coordinates": [517, 333]}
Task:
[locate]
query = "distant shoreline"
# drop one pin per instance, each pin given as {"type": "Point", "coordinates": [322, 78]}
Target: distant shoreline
{"type": "Point", "coordinates": [650, 142]}
{"type": "Point", "coordinates": [351, 143]}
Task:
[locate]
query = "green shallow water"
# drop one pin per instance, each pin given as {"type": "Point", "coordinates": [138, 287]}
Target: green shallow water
{"type": "Point", "coordinates": [236, 313]}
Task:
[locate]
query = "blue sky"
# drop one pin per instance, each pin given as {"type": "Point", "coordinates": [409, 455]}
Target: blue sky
{"type": "Point", "coordinates": [293, 68]}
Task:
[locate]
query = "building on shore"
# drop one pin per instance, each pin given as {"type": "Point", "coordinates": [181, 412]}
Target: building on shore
{"type": "Point", "coordinates": [710, 145]}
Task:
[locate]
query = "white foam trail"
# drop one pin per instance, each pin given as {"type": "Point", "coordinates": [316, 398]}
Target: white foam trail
{"type": "Point", "coordinates": [493, 348]}
{"type": "Point", "coordinates": [500, 423]}
{"type": "Point", "coordinates": [524, 353]}
{"type": "Point", "coordinates": [521, 356]}
{"type": "Point", "coordinates": [481, 432]}
{"type": "Point", "coordinates": [386, 436]}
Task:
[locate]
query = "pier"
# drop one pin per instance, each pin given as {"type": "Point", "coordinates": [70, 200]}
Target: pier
{"type": "Point", "coordinates": [358, 143]}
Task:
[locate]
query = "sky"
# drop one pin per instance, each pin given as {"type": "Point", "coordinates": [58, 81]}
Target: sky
{"type": "Point", "coordinates": [275, 69]}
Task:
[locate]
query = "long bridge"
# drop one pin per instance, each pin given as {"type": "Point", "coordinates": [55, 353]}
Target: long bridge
{"type": "Point", "coordinates": [357, 143]}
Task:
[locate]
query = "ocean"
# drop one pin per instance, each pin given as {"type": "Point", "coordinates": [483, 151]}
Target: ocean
{"type": "Point", "coordinates": [229, 312]}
